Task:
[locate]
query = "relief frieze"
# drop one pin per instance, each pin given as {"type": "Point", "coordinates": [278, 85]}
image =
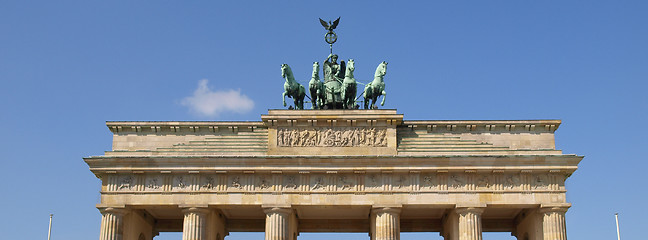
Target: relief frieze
{"type": "Point", "coordinates": [512, 181]}
{"type": "Point", "coordinates": [208, 183]}
{"type": "Point", "coordinates": [291, 182]}
{"type": "Point", "coordinates": [484, 182]}
{"type": "Point", "coordinates": [429, 182]}
{"type": "Point", "coordinates": [400, 181]}
{"type": "Point", "coordinates": [153, 183]}
{"type": "Point", "coordinates": [332, 137]}
{"type": "Point", "coordinates": [344, 182]}
{"type": "Point", "coordinates": [263, 183]}
{"type": "Point", "coordinates": [236, 182]}
{"type": "Point", "coordinates": [541, 182]}
{"type": "Point", "coordinates": [125, 183]}
{"type": "Point", "coordinates": [180, 183]}
{"type": "Point", "coordinates": [319, 183]}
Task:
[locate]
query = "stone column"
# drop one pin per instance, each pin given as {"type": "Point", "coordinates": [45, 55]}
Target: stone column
{"type": "Point", "coordinates": [278, 223]}
{"type": "Point", "coordinates": [553, 223]}
{"type": "Point", "coordinates": [470, 224]}
{"type": "Point", "coordinates": [112, 223]}
{"type": "Point", "coordinates": [194, 225]}
{"type": "Point", "coordinates": [386, 223]}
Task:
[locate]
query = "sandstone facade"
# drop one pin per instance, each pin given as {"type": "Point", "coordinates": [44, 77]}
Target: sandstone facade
{"type": "Point", "coordinates": [333, 171]}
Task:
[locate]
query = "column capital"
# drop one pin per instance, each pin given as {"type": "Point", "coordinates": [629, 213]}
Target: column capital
{"type": "Point", "coordinates": [277, 209]}
{"type": "Point", "coordinates": [553, 209]}
{"type": "Point", "coordinates": [474, 210]}
{"type": "Point", "coordinates": [392, 210]}
{"type": "Point", "coordinates": [120, 211]}
{"type": "Point", "coordinates": [195, 209]}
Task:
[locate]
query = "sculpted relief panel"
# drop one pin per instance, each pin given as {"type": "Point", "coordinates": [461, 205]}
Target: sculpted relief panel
{"type": "Point", "coordinates": [332, 137]}
{"type": "Point", "coordinates": [306, 182]}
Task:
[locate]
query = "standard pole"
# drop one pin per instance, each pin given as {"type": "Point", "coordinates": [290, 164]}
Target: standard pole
{"type": "Point", "coordinates": [616, 215]}
{"type": "Point", "coordinates": [49, 234]}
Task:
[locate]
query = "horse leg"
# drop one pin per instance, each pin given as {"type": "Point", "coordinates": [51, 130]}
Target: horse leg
{"type": "Point", "coordinates": [343, 95]}
{"type": "Point", "coordinates": [284, 98]}
{"type": "Point", "coordinates": [301, 96]}
{"type": "Point", "coordinates": [384, 96]}
{"type": "Point", "coordinates": [301, 102]}
{"type": "Point", "coordinates": [364, 96]}
{"type": "Point", "coordinates": [313, 94]}
{"type": "Point", "coordinates": [353, 97]}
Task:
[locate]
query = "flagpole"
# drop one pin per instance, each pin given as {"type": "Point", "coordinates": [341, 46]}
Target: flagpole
{"type": "Point", "coordinates": [616, 215]}
{"type": "Point", "coordinates": [49, 234]}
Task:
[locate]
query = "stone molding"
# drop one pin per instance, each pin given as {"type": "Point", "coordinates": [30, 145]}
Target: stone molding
{"type": "Point", "coordinates": [533, 126]}
{"type": "Point", "coordinates": [431, 126]}
{"type": "Point", "coordinates": [335, 182]}
{"type": "Point", "coordinates": [332, 118]}
{"type": "Point", "coordinates": [184, 127]}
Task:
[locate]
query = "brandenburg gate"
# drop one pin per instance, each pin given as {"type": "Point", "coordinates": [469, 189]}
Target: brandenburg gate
{"type": "Point", "coordinates": [334, 170]}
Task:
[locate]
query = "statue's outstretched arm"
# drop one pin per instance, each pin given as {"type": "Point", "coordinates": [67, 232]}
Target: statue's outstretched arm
{"type": "Point", "coordinates": [329, 57]}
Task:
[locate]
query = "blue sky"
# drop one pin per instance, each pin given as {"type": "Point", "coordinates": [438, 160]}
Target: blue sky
{"type": "Point", "coordinates": [66, 67]}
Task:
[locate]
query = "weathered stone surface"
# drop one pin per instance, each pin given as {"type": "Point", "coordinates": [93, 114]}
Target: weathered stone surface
{"type": "Point", "coordinates": [334, 170]}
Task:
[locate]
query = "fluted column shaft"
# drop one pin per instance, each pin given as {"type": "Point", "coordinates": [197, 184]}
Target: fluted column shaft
{"type": "Point", "coordinates": [112, 223]}
{"type": "Point", "coordinates": [387, 223]}
{"type": "Point", "coordinates": [277, 223]}
{"type": "Point", "coordinates": [194, 225]}
{"type": "Point", "coordinates": [470, 224]}
{"type": "Point", "coordinates": [553, 223]}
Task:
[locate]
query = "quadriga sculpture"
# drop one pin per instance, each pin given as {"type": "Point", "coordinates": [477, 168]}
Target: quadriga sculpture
{"type": "Point", "coordinates": [292, 88]}
{"type": "Point", "coordinates": [376, 88]}
{"type": "Point", "coordinates": [316, 88]}
{"type": "Point", "coordinates": [349, 89]}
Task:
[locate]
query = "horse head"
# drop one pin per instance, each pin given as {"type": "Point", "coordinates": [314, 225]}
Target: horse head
{"type": "Point", "coordinates": [315, 70]}
{"type": "Point", "coordinates": [283, 70]}
{"type": "Point", "coordinates": [381, 70]}
{"type": "Point", "coordinates": [286, 72]}
{"type": "Point", "coordinates": [350, 67]}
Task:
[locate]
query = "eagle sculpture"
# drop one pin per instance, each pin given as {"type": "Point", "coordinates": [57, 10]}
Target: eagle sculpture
{"type": "Point", "coordinates": [330, 26]}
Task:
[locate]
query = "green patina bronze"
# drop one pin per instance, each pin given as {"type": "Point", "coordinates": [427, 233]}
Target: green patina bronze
{"type": "Point", "coordinates": [376, 88]}
{"type": "Point", "coordinates": [316, 88]}
{"type": "Point", "coordinates": [292, 88]}
{"type": "Point", "coordinates": [349, 88]}
{"type": "Point", "coordinates": [339, 89]}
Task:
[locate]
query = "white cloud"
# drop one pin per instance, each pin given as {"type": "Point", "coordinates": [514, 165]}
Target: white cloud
{"type": "Point", "coordinates": [212, 103]}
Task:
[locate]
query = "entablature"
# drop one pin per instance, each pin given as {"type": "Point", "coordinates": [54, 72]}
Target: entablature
{"type": "Point", "coordinates": [484, 126]}
{"type": "Point", "coordinates": [564, 163]}
{"type": "Point", "coordinates": [180, 127]}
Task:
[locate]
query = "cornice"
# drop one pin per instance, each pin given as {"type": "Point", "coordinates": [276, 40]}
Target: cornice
{"type": "Point", "coordinates": [558, 163]}
{"type": "Point", "coordinates": [180, 126]}
{"type": "Point", "coordinates": [381, 118]}
{"type": "Point", "coordinates": [542, 125]}
{"type": "Point", "coordinates": [332, 118]}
